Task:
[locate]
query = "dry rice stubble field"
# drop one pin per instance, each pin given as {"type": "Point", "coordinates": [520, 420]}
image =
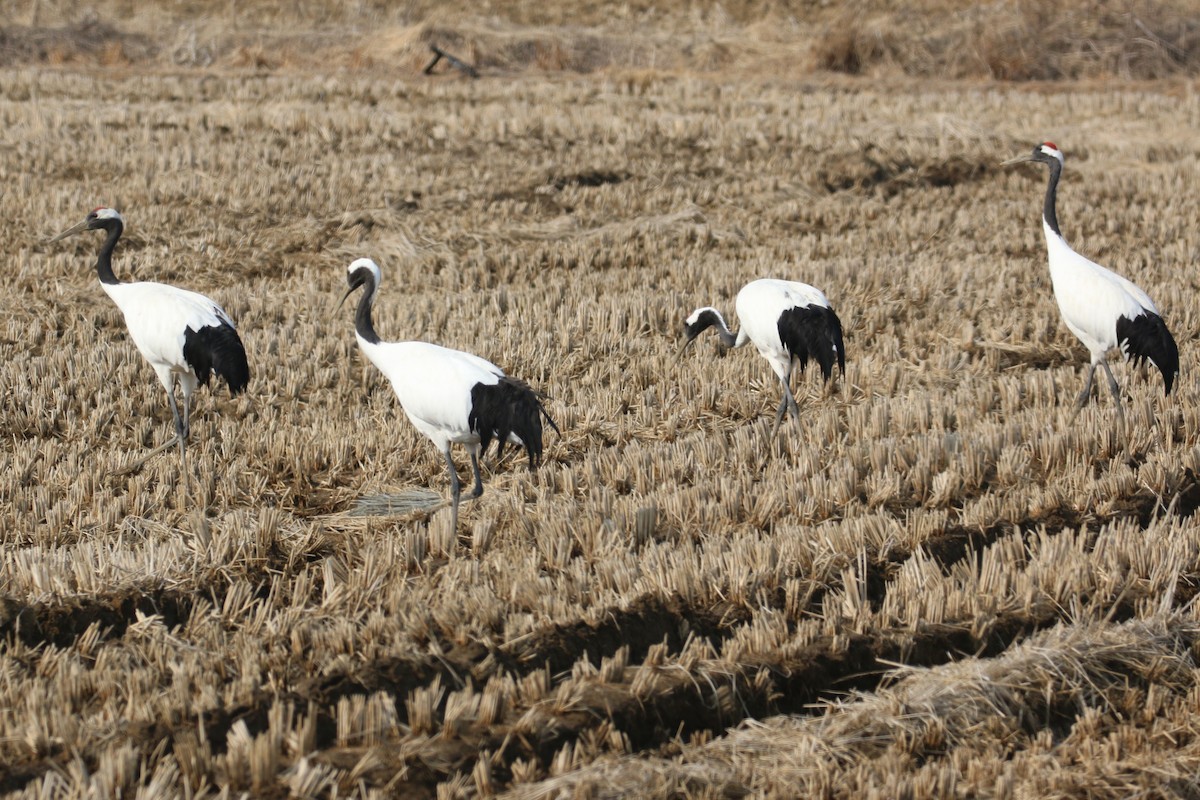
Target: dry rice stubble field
{"type": "Point", "coordinates": [935, 506]}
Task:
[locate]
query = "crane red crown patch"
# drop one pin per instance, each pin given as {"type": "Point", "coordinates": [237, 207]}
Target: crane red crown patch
{"type": "Point", "coordinates": [1051, 145]}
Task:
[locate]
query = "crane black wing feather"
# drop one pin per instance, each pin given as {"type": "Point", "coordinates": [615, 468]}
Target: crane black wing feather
{"type": "Point", "coordinates": [813, 331]}
{"type": "Point", "coordinates": [507, 407]}
{"type": "Point", "coordinates": [217, 348]}
{"type": "Point", "coordinates": [1146, 338]}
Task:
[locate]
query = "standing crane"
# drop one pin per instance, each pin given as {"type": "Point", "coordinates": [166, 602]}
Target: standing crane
{"type": "Point", "coordinates": [788, 321]}
{"type": "Point", "coordinates": [448, 395]}
{"type": "Point", "coordinates": [1100, 307]}
{"type": "Point", "coordinates": [184, 335]}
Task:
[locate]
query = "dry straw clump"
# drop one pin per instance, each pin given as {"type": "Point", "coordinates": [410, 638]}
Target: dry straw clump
{"type": "Point", "coordinates": [671, 572]}
{"type": "Point", "coordinates": [1015, 41]}
{"type": "Point", "coordinates": [1077, 709]}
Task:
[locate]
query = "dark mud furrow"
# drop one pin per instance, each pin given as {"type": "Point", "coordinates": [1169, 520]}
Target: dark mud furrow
{"type": "Point", "coordinates": [16, 778]}
{"type": "Point", "coordinates": [682, 702]}
{"type": "Point", "coordinates": [679, 704]}
{"type": "Point", "coordinates": [687, 705]}
{"type": "Point", "coordinates": [61, 623]}
{"type": "Point", "coordinates": [642, 624]}
{"type": "Point", "coordinates": [648, 621]}
{"type": "Point", "coordinates": [674, 702]}
{"type": "Point", "coordinates": [956, 543]}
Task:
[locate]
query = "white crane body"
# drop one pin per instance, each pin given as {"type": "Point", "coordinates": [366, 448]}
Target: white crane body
{"type": "Point", "coordinates": [788, 322]}
{"type": "Point", "coordinates": [159, 318]}
{"type": "Point", "coordinates": [184, 336]}
{"type": "Point", "coordinates": [450, 396]}
{"type": "Point", "coordinates": [1090, 297]}
{"type": "Point", "coordinates": [1103, 309]}
{"type": "Point", "coordinates": [438, 404]}
{"type": "Point", "coordinates": [761, 304]}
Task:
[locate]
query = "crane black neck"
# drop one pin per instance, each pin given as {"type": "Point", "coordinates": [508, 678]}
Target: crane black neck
{"type": "Point", "coordinates": [728, 337]}
{"type": "Point", "coordinates": [362, 317]}
{"type": "Point", "coordinates": [104, 261]}
{"type": "Point", "coordinates": [1048, 214]}
{"type": "Point", "coordinates": [711, 318]}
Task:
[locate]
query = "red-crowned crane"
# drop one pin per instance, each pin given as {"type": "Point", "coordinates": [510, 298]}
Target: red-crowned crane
{"type": "Point", "coordinates": [184, 335]}
{"type": "Point", "coordinates": [448, 395]}
{"type": "Point", "coordinates": [788, 321]}
{"type": "Point", "coordinates": [1100, 307]}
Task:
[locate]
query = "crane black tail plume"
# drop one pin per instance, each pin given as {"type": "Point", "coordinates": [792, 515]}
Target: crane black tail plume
{"type": "Point", "coordinates": [509, 407]}
{"type": "Point", "coordinates": [217, 348]}
{"type": "Point", "coordinates": [1146, 338]}
{"type": "Point", "coordinates": [813, 331]}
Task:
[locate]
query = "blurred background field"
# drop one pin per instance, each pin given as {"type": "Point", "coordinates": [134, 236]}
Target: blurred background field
{"type": "Point", "coordinates": [1020, 40]}
{"type": "Point", "coordinates": [934, 585]}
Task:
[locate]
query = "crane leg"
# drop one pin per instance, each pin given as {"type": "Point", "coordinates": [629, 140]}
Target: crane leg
{"type": "Point", "coordinates": [167, 445]}
{"type": "Point", "coordinates": [186, 433]}
{"type": "Point", "coordinates": [187, 415]}
{"type": "Point", "coordinates": [180, 437]}
{"type": "Point", "coordinates": [455, 489]}
{"type": "Point", "coordinates": [1086, 394]}
{"type": "Point", "coordinates": [783, 404]}
{"type": "Point", "coordinates": [1116, 393]}
{"type": "Point", "coordinates": [181, 427]}
{"type": "Point", "coordinates": [792, 402]}
{"type": "Point", "coordinates": [788, 403]}
{"type": "Point", "coordinates": [478, 490]}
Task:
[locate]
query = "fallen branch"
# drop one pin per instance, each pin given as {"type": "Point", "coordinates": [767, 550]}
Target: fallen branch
{"type": "Point", "coordinates": [457, 63]}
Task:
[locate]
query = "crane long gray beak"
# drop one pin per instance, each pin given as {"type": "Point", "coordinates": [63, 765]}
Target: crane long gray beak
{"type": "Point", "coordinates": [682, 350]}
{"type": "Point", "coordinates": [1017, 160]}
{"type": "Point", "coordinates": [71, 231]}
{"type": "Point", "coordinates": [356, 280]}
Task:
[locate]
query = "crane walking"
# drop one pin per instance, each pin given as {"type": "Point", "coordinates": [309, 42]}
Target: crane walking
{"type": "Point", "coordinates": [1104, 310]}
{"type": "Point", "coordinates": [448, 395]}
{"type": "Point", "coordinates": [788, 321]}
{"type": "Point", "coordinates": [184, 335]}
